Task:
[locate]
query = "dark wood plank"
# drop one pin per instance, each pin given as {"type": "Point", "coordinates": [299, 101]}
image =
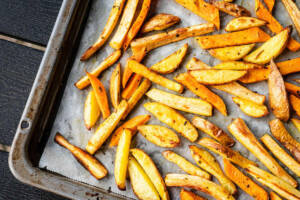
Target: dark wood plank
{"type": "Point", "coordinates": [31, 20]}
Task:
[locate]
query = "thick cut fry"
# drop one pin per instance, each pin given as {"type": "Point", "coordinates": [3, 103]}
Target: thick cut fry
{"type": "Point", "coordinates": [106, 63]}
{"type": "Point", "coordinates": [279, 153]}
{"type": "Point", "coordinates": [231, 9]}
{"type": "Point", "coordinates": [151, 170]}
{"type": "Point", "coordinates": [173, 119]}
{"type": "Point", "coordinates": [216, 77]}
{"type": "Point", "coordinates": [160, 22]}
{"type": "Point", "coordinates": [278, 99]}
{"type": "Point", "coordinates": [191, 105]}
{"type": "Point", "coordinates": [213, 131]}
{"type": "Point", "coordinates": [238, 90]}
{"type": "Point", "coordinates": [282, 135]}
{"type": "Point", "coordinates": [127, 71]}
{"type": "Point", "coordinates": [294, 13]}
{"type": "Point", "coordinates": [121, 160]}
{"type": "Point", "coordinates": [141, 184]}
{"type": "Point", "coordinates": [106, 128]}
{"type": "Point", "coordinates": [295, 103]}
{"type": "Point", "coordinates": [237, 65]}
{"type": "Point", "coordinates": [125, 23]}
{"type": "Point", "coordinates": [198, 183]}
{"type": "Point", "coordinates": [249, 36]}
{"type": "Point", "coordinates": [291, 88]}
{"type": "Point", "coordinates": [242, 23]}
{"type": "Point", "coordinates": [244, 182]}
{"type": "Point", "coordinates": [170, 63]}
{"type": "Point", "coordinates": [100, 95]}
{"type": "Point", "coordinates": [296, 123]}
{"type": "Point", "coordinates": [91, 112]}
{"type": "Point", "coordinates": [274, 196]}
{"type": "Point", "coordinates": [115, 86]}
{"type": "Point", "coordinates": [195, 64]}
{"type": "Point", "coordinates": [270, 49]}
{"type": "Point", "coordinates": [186, 195]}
{"type": "Point", "coordinates": [107, 30]}
{"type": "Point", "coordinates": [131, 86]}
{"type": "Point", "coordinates": [185, 165]}
{"type": "Point", "coordinates": [132, 125]}
{"type": "Point", "coordinates": [270, 4]}
{"type": "Point", "coordinates": [203, 92]}
{"type": "Point", "coordinates": [226, 152]}
{"type": "Point", "coordinates": [241, 132]}
{"type": "Point", "coordinates": [88, 161]}
{"type": "Point", "coordinates": [231, 53]}
{"type": "Point", "coordinates": [152, 76]}
{"type": "Point", "coordinates": [207, 162]}
{"type": "Point", "coordinates": [250, 108]}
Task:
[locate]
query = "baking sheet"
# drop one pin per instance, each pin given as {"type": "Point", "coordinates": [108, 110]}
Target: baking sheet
{"type": "Point", "coordinates": [69, 120]}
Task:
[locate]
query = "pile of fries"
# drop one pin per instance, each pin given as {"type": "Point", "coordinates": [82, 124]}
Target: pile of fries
{"type": "Point", "coordinates": [242, 62]}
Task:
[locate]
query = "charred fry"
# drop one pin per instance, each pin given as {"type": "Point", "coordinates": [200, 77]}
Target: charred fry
{"type": "Point", "coordinates": [231, 9]}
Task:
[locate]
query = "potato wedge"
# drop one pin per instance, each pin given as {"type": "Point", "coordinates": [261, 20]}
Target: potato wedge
{"type": "Point", "coordinates": [107, 30]}
{"type": "Point", "coordinates": [238, 90]}
{"type": "Point", "coordinates": [160, 22]}
{"type": "Point", "coordinates": [296, 123]}
{"type": "Point", "coordinates": [186, 195]}
{"type": "Point", "coordinates": [213, 131]}
{"type": "Point", "coordinates": [294, 13]}
{"type": "Point", "coordinates": [291, 88]}
{"type": "Point", "coordinates": [195, 64]}
{"type": "Point", "coordinates": [87, 161]}
{"type": "Point", "coordinates": [141, 184]}
{"type": "Point", "coordinates": [106, 128]}
{"type": "Point", "coordinates": [250, 108]}
{"type": "Point", "coordinates": [91, 112]}
{"type": "Point", "coordinates": [216, 77]}
{"type": "Point", "coordinates": [125, 23]}
{"type": "Point", "coordinates": [173, 119]}
{"type": "Point", "coordinates": [278, 99]}
{"type": "Point", "coordinates": [208, 162]}
{"type": "Point", "coordinates": [170, 63]}
{"type": "Point", "coordinates": [249, 36]}
{"type": "Point", "coordinates": [226, 152]}
{"type": "Point", "coordinates": [131, 86]}
{"type": "Point", "coordinates": [231, 53]}
{"type": "Point", "coordinates": [106, 63]}
{"type": "Point", "coordinates": [121, 160]}
{"type": "Point", "coordinates": [270, 49]}
{"type": "Point", "coordinates": [186, 104]}
{"type": "Point", "coordinates": [152, 76]}
{"type": "Point", "coordinates": [198, 183]}
{"type": "Point", "coordinates": [274, 196]}
{"type": "Point", "coordinates": [185, 165]}
{"type": "Point", "coordinates": [231, 8]}
{"type": "Point", "coordinates": [242, 133]}
{"type": "Point", "coordinates": [203, 92]}
{"type": "Point", "coordinates": [237, 65]}
{"type": "Point", "coordinates": [244, 182]}
{"type": "Point", "coordinates": [280, 154]}
{"type": "Point", "coordinates": [242, 23]}
{"type": "Point", "coordinates": [151, 170]}
{"type": "Point", "coordinates": [295, 103]}
{"type": "Point", "coordinates": [159, 135]}
{"type": "Point", "coordinates": [115, 86]}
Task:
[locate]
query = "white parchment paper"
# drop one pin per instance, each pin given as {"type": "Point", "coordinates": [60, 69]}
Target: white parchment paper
{"type": "Point", "coordinates": [69, 120]}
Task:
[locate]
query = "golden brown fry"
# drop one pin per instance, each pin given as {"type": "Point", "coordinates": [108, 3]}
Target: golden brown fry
{"type": "Point", "coordinates": [296, 123]}
{"type": "Point", "coordinates": [295, 103]}
{"type": "Point", "coordinates": [294, 13]}
{"type": "Point", "coordinates": [186, 195]}
{"type": "Point", "coordinates": [291, 88]}
{"type": "Point", "coordinates": [88, 161]}
{"type": "Point", "coordinates": [242, 23]}
{"type": "Point", "coordinates": [231, 9]}
{"type": "Point", "coordinates": [251, 108]}
{"type": "Point", "coordinates": [91, 112]}
{"type": "Point", "coordinates": [160, 22]}
{"type": "Point", "coordinates": [115, 86]}
{"type": "Point", "coordinates": [270, 4]}
{"type": "Point", "coordinates": [131, 86]}
{"type": "Point", "coordinates": [231, 53]}
{"type": "Point", "coordinates": [237, 65]}
{"type": "Point", "coordinates": [274, 196]}
{"type": "Point", "coordinates": [195, 64]}
{"type": "Point", "coordinates": [127, 71]}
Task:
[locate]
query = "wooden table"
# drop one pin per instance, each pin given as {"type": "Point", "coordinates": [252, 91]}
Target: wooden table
{"type": "Point", "coordinates": [25, 28]}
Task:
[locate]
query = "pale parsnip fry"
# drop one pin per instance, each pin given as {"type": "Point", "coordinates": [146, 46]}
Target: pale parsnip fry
{"type": "Point", "coordinates": [295, 103]}
{"type": "Point", "coordinates": [185, 165]}
{"type": "Point", "coordinates": [121, 159]}
{"type": "Point", "coordinates": [231, 9]}
{"type": "Point", "coordinates": [280, 154]}
{"type": "Point", "coordinates": [207, 162]}
{"type": "Point", "coordinates": [296, 123]}
{"type": "Point", "coordinates": [91, 112]}
{"type": "Point", "coordinates": [237, 65]}
{"type": "Point", "coordinates": [186, 104]}
{"type": "Point", "coordinates": [244, 182]}
{"type": "Point", "coordinates": [170, 63]}
{"type": "Point", "coordinates": [187, 195]}
{"type": "Point", "coordinates": [198, 183]}
{"type": "Point", "coordinates": [242, 23]}
{"type": "Point", "coordinates": [173, 119]}
{"type": "Point", "coordinates": [213, 131]}
{"type": "Point", "coordinates": [88, 161]}
{"type": "Point", "coordinates": [231, 53]}
{"type": "Point", "coordinates": [160, 22]}
{"type": "Point", "coordinates": [195, 64]}
{"type": "Point", "coordinates": [115, 86]}
{"type": "Point", "coordinates": [294, 13]}
{"type": "Point", "coordinates": [241, 132]}
{"type": "Point", "coordinates": [270, 4]}
{"type": "Point", "coordinates": [273, 195]}
{"type": "Point", "coordinates": [291, 88]}
{"type": "Point", "coordinates": [131, 86]}
{"type": "Point", "coordinates": [251, 108]}
{"type": "Point", "coordinates": [107, 30]}
{"type": "Point", "coordinates": [125, 23]}
{"type": "Point", "coordinates": [106, 128]}
{"type": "Point", "coordinates": [203, 92]}
{"type": "Point", "coordinates": [106, 63]}
{"type": "Point", "coordinates": [151, 170]}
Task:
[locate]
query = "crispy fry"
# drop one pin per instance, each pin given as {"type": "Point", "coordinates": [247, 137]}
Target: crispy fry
{"type": "Point", "coordinates": [91, 112]}
{"type": "Point", "coordinates": [251, 108]}
{"type": "Point", "coordinates": [231, 9]}
{"type": "Point", "coordinates": [237, 65]}
{"type": "Point", "coordinates": [249, 36]}
{"type": "Point", "coordinates": [296, 123]}
{"type": "Point", "coordinates": [294, 13]}
{"type": "Point", "coordinates": [202, 91]}
{"type": "Point", "coordinates": [88, 161]}
{"type": "Point", "coordinates": [295, 103]}
{"type": "Point", "coordinates": [213, 131]}
{"type": "Point", "coordinates": [186, 195]}
{"type": "Point", "coordinates": [242, 23]}
{"type": "Point", "coordinates": [131, 86]}
{"type": "Point", "coordinates": [195, 64]}
{"type": "Point", "coordinates": [291, 88]}
{"type": "Point", "coordinates": [274, 196]}
{"type": "Point", "coordinates": [107, 30]}
{"type": "Point", "coordinates": [231, 53]}
{"type": "Point", "coordinates": [115, 86]}
{"type": "Point", "coordinates": [185, 165]}
{"type": "Point", "coordinates": [160, 22]}
{"type": "Point", "coordinates": [173, 119]}
{"type": "Point", "coordinates": [241, 132]}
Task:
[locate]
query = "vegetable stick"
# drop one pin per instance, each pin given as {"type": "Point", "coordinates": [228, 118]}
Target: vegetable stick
{"type": "Point", "coordinates": [295, 103]}
{"type": "Point", "coordinates": [291, 88]}
{"type": "Point", "coordinates": [132, 86]}
{"type": "Point", "coordinates": [115, 86]}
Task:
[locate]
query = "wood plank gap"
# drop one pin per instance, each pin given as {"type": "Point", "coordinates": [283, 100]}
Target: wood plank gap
{"type": "Point", "coordinates": [22, 42]}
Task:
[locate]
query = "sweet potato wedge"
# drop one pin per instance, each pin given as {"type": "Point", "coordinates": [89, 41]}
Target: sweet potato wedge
{"type": "Point", "coordinates": [195, 64]}
{"type": "Point", "coordinates": [294, 13]}
{"type": "Point", "coordinates": [296, 123]}
{"type": "Point", "coordinates": [274, 196]}
{"type": "Point", "coordinates": [237, 65]}
{"type": "Point", "coordinates": [115, 86]}
{"type": "Point", "coordinates": [250, 108]}
{"type": "Point", "coordinates": [91, 112]}
{"type": "Point", "coordinates": [160, 22]}
{"type": "Point", "coordinates": [127, 71]}
{"type": "Point", "coordinates": [293, 89]}
{"type": "Point", "coordinates": [242, 23]}
{"type": "Point", "coordinates": [187, 195]}
{"type": "Point", "coordinates": [231, 9]}
{"type": "Point", "coordinates": [270, 4]}
{"type": "Point", "coordinates": [131, 86]}
{"type": "Point", "coordinates": [231, 53]}
{"type": "Point", "coordinates": [295, 103]}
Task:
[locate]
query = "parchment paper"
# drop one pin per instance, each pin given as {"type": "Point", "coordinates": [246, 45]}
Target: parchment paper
{"type": "Point", "coordinates": [69, 120]}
